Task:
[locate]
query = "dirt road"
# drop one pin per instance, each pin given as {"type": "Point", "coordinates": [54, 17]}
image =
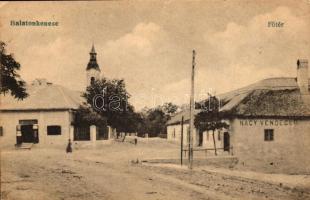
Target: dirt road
{"type": "Point", "coordinates": [113, 172]}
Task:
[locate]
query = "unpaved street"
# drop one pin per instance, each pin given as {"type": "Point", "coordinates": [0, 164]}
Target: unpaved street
{"type": "Point", "coordinates": [115, 171]}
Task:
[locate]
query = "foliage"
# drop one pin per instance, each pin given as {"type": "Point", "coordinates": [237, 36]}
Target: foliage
{"type": "Point", "coordinates": [169, 108]}
{"type": "Point", "coordinates": [87, 116]}
{"type": "Point", "coordinates": [10, 79]}
{"type": "Point", "coordinates": [209, 118]}
{"type": "Point", "coordinates": [112, 104]}
{"type": "Point", "coordinates": [156, 122]}
{"type": "Point", "coordinates": [125, 121]}
{"type": "Point", "coordinates": [153, 121]}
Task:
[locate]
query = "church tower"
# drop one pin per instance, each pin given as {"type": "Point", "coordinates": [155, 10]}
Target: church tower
{"type": "Point", "coordinates": [92, 70]}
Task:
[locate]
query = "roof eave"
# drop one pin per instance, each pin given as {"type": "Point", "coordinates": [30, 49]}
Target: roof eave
{"type": "Point", "coordinates": [36, 109]}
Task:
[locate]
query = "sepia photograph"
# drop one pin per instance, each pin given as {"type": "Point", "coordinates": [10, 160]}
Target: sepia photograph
{"type": "Point", "coordinates": [155, 100]}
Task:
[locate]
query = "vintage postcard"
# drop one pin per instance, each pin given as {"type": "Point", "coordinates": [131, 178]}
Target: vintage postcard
{"type": "Point", "coordinates": [155, 100]}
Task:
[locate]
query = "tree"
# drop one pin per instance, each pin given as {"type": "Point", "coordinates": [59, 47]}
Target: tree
{"type": "Point", "coordinates": [109, 98]}
{"type": "Point", "coordinates": [153, 121]}
{"type": "Point", "coordinates": [169, 108]}
{"type": "Point", "coordinates": [10, 79]}
{"type": "Point", "coordinates": [142, 125]}
{"type": "Point", "coordinates": [156, 120]}
{"type": "Point", "coordinates": [209, 118]}
{"type": "Point", "coordinates": [87, 116]}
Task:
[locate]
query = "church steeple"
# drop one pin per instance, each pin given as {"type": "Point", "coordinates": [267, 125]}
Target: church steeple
{"type": "Point", "coordinates": [92, 64]}
{"type": "Point", "coordinates": [92, 69]}
{"type": "Point", "coordinates": [93, 50]}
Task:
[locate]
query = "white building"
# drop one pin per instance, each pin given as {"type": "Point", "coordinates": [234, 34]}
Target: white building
{"type": "Point", "coordinates": [45, 117]}
{"type": "Point", "coordinates": [269, 123]}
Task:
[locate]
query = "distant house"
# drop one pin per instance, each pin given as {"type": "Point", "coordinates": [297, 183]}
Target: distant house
{"type": "Point", "coordinates": [46, 116]}
{"type": "Point", "coordinates": [174, 128]}
{"type": "Point", "coordinates": [269, 123]}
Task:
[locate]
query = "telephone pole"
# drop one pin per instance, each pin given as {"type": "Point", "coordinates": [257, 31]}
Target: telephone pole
{"type": "Point", "coordinates": [192, 109]}
{"type": "Point", "coordinates": [182, 123]}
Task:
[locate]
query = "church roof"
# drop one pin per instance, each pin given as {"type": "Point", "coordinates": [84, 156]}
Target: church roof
{"type": "Point", "coordinates": [43, 96]}
{"type": "Point", "coordinates": [92, 64]}
{"type": "Point", "coordinates": [273, 97]}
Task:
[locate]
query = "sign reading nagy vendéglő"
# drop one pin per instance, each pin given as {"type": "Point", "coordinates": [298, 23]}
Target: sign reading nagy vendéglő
{"type": "Point", "coordinates": [267, 122]}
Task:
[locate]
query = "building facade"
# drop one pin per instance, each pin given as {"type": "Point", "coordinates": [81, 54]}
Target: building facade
{"type": "Point", "coordinates": [269, 124]}
{"type": "Point", "coordinates": [46, 116]}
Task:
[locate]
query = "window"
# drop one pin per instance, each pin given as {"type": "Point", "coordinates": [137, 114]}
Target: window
{"type": "Point", "coordinates": [268, 135]}
{"type": "Point", "coordinates": [1, 131]}
{"type": "Point", "coordinates": [53, 130]}
{"type": "Point", "coordinates": [219, 136]}
{"type": "Point", "coordinates": [92, 80]}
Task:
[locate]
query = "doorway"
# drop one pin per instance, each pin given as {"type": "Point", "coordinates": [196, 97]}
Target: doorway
{"type": "Point", "coordinates": [27, 133]}
{"type": "Point", "coordinates": [226, 141]}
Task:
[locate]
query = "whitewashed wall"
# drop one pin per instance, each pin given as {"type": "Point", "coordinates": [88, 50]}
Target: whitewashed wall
{"type": "Point", "coordinates": [174, 134]}
{"type": "Point", "coordinates": [289, 152]}
{"type": "Point", "coordinates": [9, 120]}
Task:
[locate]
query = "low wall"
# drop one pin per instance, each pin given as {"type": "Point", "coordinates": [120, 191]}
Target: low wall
{"type": "Point", "coordinates": [225, 162]}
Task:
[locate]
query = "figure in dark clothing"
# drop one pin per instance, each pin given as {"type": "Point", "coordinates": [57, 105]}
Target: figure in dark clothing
{"type": "Point", "coordinates": [69, 147]}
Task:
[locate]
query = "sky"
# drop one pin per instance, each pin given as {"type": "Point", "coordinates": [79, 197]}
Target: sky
{"type": "Point", "coordinates": [149, 43]}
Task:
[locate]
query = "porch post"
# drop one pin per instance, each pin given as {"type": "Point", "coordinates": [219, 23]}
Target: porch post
{"type": "Point", "coordinates": [93, 133]}
{"type": "Point", "coordinates": [71, 132]}
{"type": "Point", "coordinates": [109, 132]}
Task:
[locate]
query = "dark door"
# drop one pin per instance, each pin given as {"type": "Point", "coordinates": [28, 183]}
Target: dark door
{"type": "Point", "coordinates": [226, 141]}
{"type": "Point", "coordinates": [27, 133]}
{"type": "Point", "coordinates": [200, 138]}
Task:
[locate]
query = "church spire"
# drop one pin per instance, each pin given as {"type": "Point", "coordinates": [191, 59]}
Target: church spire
{"type": "Point", "coordinates": [92, 69]}
{"type": "Point", "coordinates": [93, 50]}
{"type": "Point", "coordinates": [92, 64]}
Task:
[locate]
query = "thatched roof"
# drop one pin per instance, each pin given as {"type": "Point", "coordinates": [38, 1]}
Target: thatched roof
{"type": "Point", "coordinates": [273, 97]}
{"type": "Point", "coordinates": [271, 103]}
{"type": "Point", "coordinates": [43, 96]}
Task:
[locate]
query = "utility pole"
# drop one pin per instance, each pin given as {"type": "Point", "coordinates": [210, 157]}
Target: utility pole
{"type": "Point", "coordinates": [182, 123]}
{"type": "Point", "coordinates": [192, 109]}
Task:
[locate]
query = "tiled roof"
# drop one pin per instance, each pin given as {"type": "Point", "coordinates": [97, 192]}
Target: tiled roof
{"type": "Point", "coordinates": [43, 96]}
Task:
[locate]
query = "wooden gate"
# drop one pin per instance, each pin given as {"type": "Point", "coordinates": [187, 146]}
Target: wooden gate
{"type": "Point", "coordinates": [81, 133]}
{"type": "Point", "coordinates": [102, 133]}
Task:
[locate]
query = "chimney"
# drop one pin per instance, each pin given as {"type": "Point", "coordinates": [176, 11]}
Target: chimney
{"type": "Point", "coordinates": [302, 76]}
